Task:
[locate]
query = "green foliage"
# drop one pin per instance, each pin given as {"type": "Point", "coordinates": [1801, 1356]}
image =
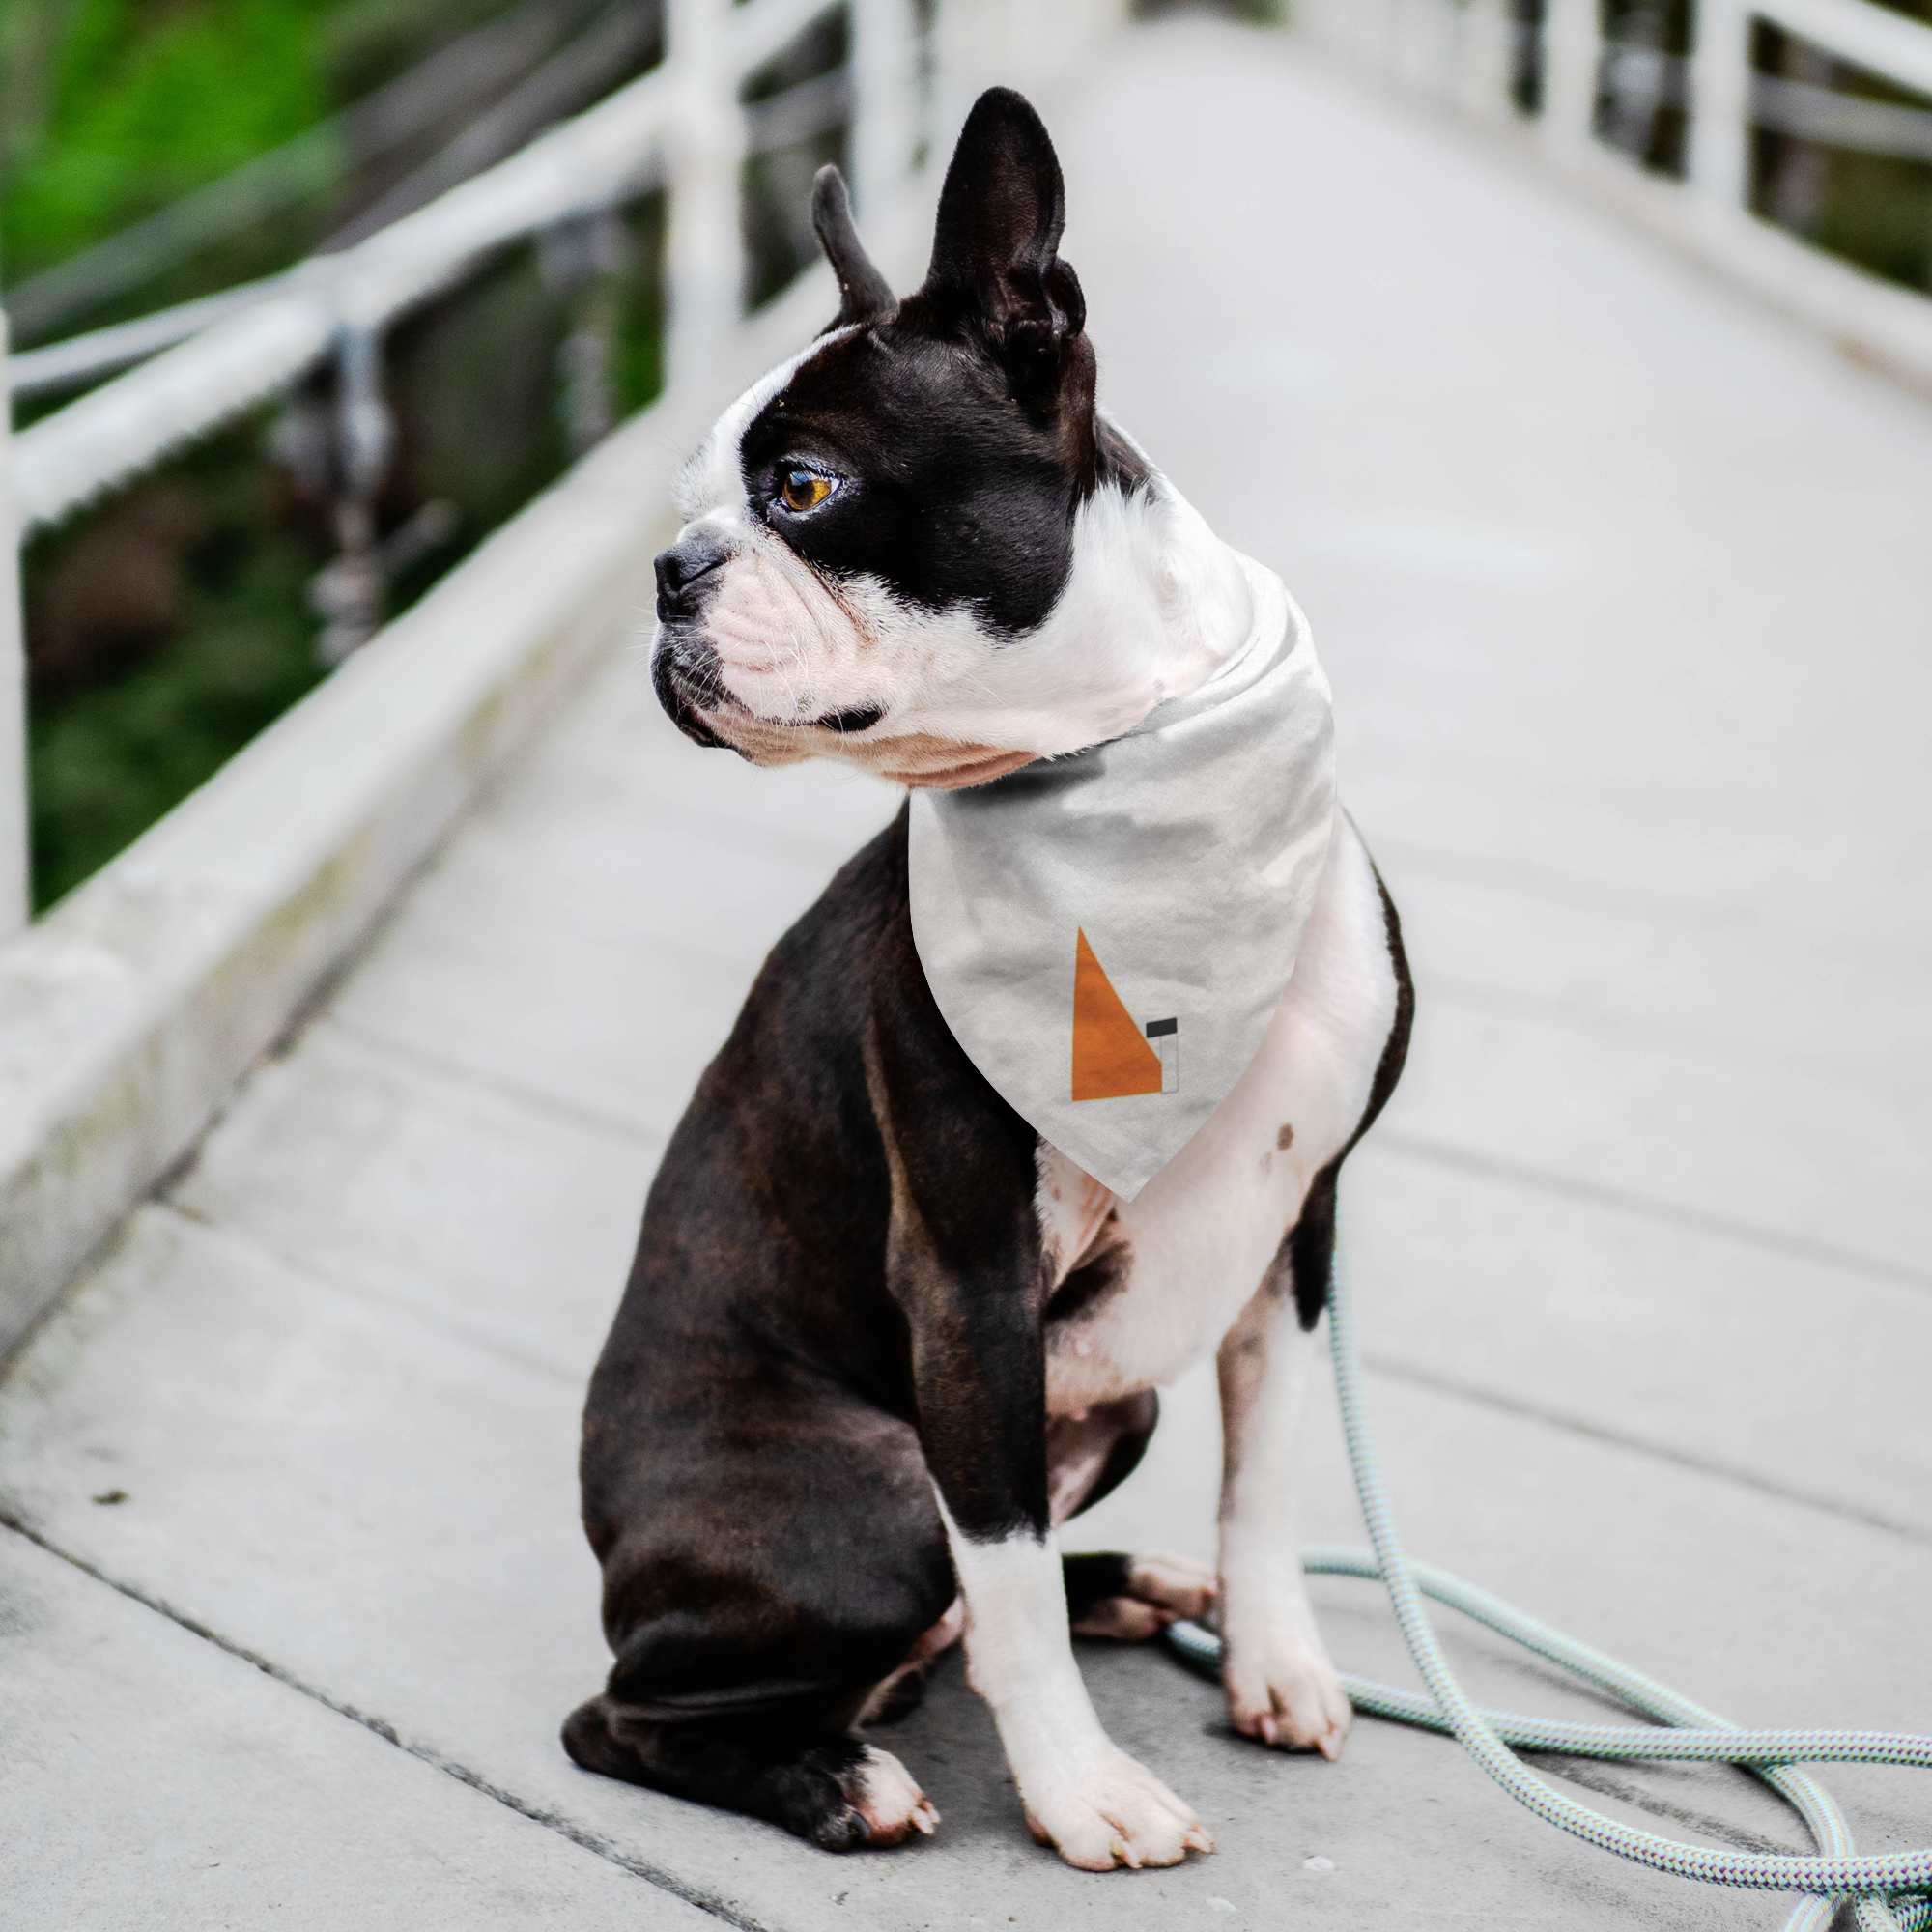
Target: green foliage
{"type": "Point", "coordinates": [126, 733]}
{"type": "Point", "coordinates": [1877, 211]}
{"type": "Point", "coordinates": [139, 104]}
{"type": "Point", "coordinates": [1872, 210]}
{"type": "Point", "coordinates": [171, 623]}
{"type": "Point", "coordinates": [775, 187]}
{"type": "Point", "coordinates": [111, 109]}
{"type": "Point", "coordinates": [107, 757]}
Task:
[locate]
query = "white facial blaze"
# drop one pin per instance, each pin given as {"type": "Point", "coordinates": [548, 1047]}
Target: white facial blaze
{"type": "Point", "coordinates": [712, 478]}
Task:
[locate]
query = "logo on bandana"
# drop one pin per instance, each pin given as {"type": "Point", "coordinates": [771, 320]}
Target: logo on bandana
{"type": "Point", "coordinates": [1113, 1054]}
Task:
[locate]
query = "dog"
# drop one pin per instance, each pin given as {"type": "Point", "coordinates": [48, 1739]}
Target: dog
{"type": "Point", "coordinates": [880, 1337]}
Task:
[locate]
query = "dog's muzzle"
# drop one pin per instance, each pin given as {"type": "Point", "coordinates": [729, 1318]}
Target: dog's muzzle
{"type": "Point", "coordinates": [684, 666]}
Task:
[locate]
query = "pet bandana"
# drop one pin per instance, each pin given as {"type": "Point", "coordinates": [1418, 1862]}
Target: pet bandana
{"type": "Point", "coordinates": [1108, 933]}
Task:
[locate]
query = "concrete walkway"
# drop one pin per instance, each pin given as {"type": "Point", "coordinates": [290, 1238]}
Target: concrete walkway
{"type": "Point", "coordinates": [1625, 591]}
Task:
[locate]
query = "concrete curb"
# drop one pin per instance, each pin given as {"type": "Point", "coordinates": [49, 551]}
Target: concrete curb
{"type": "Point", "coordinates": [129, 1013]}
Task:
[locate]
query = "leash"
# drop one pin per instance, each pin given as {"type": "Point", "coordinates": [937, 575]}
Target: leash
{"type": "Point", "coordinates": [1882, 1888]}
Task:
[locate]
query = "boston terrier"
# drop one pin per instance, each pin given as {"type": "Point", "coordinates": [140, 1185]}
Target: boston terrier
{"type": "Point", "coordinates": [881, 1337]}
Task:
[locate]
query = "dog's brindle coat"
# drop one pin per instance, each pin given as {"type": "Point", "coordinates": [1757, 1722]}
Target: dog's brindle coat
{"type": "Point", "coordinates": [879, 1338]}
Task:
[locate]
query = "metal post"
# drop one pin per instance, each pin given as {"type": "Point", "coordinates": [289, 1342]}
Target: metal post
{"type": "Point", "coordinates": [1720, 108]}
{"type": "Point", "coordinates": [704, 253]}
{"type": "Point", "coordinates": [14, 900]}
{"type": "Point", "coordinates": [577, 258]}
{"type": "Point", "coordinates": [1432, 36]}
{"type": "Point", "coordinates": [1483, 60]}
{"type": "Point", "coordinates": [884, 113]}
{"type": "Point", "coordinates": [1572, 50]}
{"type": "Point", "coordinates": [349, 592]}
{"type": "Point", "coordinates": [1381, 30]}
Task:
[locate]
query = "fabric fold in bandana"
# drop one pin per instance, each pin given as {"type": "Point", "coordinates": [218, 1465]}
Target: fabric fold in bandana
{"type": "Point", "coordinates": [1108, 934]}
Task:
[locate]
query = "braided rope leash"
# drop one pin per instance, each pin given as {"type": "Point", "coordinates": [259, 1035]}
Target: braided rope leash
{"type": "Point", "coordinates": [1880, 1886]}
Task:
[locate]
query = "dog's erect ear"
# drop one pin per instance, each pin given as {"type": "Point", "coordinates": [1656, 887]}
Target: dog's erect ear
{"type": "Point", "coordinates": [862, 291]}
{"type": "Point", "coordinates": [1000, 213]}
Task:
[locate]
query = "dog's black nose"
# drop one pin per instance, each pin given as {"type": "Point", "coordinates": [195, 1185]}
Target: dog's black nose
{"type": "Point", "coordinates": [685, 572]}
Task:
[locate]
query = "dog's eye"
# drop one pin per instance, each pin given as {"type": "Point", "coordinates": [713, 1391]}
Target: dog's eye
{"type": "Point", "coordinates": [804, 490]}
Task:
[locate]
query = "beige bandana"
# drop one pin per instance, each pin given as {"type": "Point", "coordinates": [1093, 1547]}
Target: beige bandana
{"type": "Point", "coordinates": [1108, 934]}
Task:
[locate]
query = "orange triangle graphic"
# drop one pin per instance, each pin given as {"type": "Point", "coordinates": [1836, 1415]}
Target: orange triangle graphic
{"type": "Point", "coordinates": [1110, 1057]}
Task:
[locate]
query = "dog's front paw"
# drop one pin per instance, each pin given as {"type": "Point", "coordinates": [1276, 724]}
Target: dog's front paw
{"type": "Point", "coordinates": [1117, 1812]}
{"type": "Point", "coordinates": [883, 1804]}
{"type": "Point", "coordinates": [1285, 1693]}
{"type": "Point", "coordinates": [1161, 1587]}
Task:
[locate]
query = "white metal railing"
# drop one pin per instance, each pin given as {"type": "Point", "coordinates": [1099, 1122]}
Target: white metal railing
{"type": "Point", "coordinates": [460, 78]}
{"type": "Point", "coordinates": [1469, 54]}
{"type": "Point", "coordinates": [611, 151]}
{"type": "Point", "coordinates": [266, 337]}
{"type": "Point", "coordinates": [681, 127]}
{"type": "Point", "coordinates": [128, 1013]}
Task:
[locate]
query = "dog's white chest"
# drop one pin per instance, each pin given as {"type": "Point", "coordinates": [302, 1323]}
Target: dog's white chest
{"type": "Point", "coordinates": [1142, 1288]}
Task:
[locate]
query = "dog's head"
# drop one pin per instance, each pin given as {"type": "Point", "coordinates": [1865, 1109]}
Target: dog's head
{"type": "Point", "coordinates": [917, 546]}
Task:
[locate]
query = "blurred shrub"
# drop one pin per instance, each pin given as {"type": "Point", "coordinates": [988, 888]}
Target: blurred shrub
{"type": "Point", "coordinates": [169, 624]}
{"type": "Point", "coordinates": [118, 108]}
{"type": "Point", "coordinates": [166, 629]}
{"type": "Point", "coordinates": [775, 188]}
{"type": "Point", "coordinates": [1872, 209]}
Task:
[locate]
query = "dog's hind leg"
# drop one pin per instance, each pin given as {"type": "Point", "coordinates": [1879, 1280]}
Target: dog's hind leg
{"type": "Point", "coordinates": [1110, 1594]}
{"type": "Point", "coordinates": [760, 1580]}
{"type": "Point", "coordinates": [817, 1780]}
{"type": "Point", "coordinates": [1130, 1599]}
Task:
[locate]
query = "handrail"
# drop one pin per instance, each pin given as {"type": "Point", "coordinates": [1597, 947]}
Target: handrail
{"type": "Point", "coordinates": [1463, 51]}
{"type": "Point", "coordinates": [129, 1012]}
{"type": "Point", "coordinates": [1891, 45]}
{"type": "Point", "coordinates": [78, 359]}
{"type": "Point", "coordinates": [682, 126]}
{"type": "Point", "coordinates": [126, 426]}
{"type": "Point", "coordinates": [795, 115]}
{"type": "Point", "coordinates": [578, 72]}
{"type": "Point", "coordinates": [221, 368]}
{"type": "Point", "coordinates": [436, 88]}
{"type": "Point", "coordinates": [129, 424]}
